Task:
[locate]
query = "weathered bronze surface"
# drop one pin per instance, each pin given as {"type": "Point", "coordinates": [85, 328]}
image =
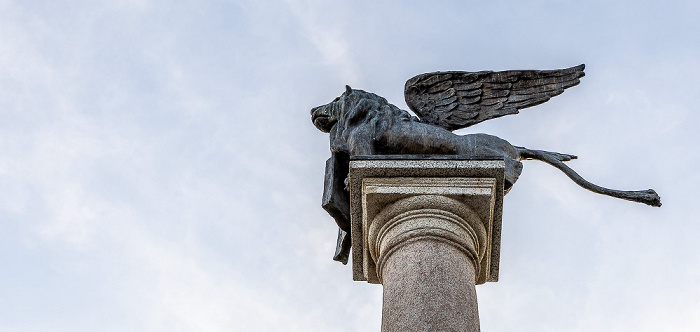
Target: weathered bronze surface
{"type": "Point", "coordinates": [362, 124]}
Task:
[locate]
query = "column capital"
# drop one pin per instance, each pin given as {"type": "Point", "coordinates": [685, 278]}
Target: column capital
{"type": "Point", "coordinates": [393, 200]}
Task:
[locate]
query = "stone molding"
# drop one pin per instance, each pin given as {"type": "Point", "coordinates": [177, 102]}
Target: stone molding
{"type": "Point", "coordinates": [395, 202]}
{"type": "Point", "coordinates": [426, 217]}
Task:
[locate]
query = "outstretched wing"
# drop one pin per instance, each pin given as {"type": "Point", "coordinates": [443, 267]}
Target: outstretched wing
{"type": "Point", "coordinates": [458, 99]}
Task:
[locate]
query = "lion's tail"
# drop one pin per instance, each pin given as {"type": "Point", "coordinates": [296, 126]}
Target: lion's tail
{"type": "Point", "coordinates": [649, 197]}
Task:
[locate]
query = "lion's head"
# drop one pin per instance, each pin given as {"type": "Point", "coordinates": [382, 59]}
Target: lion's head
{"type": "Point", "coordinates": [326, 116]}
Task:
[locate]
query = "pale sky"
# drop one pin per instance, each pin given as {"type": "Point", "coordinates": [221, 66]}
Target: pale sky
{"type": "Point", "coordinates": [159, 170]}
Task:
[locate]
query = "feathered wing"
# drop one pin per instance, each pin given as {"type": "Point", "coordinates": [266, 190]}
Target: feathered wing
{"type": "Point", "coordinates": [458, 99]}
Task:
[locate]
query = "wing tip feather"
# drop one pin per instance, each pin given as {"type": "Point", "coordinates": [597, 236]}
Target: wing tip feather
{"type": "Point", "coordinates": [492, 107]}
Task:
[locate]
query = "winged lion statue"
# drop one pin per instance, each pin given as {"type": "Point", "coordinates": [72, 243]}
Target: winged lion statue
{"type": "Point", "coordinates": [362, 123]}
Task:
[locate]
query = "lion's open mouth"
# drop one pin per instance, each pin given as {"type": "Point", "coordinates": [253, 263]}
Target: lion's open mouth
{"type": "Point", "coordinates": [323, 123]}
{"type": "Point", "coordinates": [322, 119]}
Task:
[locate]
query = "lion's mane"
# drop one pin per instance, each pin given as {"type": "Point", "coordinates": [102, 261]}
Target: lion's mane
{"type": "Point", "coordinates": [362, 112]}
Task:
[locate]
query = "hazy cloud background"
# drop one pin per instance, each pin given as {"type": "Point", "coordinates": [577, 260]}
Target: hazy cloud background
{"type": "Point", "coordinates": [159, 170]}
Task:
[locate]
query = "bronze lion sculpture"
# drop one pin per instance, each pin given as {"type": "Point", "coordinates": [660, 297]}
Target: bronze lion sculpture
{"type": "Point", "coordinates": [361, 123]}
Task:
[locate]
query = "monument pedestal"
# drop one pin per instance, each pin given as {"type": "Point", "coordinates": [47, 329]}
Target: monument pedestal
{"type": "Point", "coordinates": [428, 231]}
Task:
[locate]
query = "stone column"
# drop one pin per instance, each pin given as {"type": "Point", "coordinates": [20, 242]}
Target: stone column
{"type": "Point", "coordinates": [429, 232]}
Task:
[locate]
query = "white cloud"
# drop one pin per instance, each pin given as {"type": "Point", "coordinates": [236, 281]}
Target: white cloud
{"type": "Point", "coordinates": [326, 35]}
{"type": "Point", "coordinates": [158, 169]}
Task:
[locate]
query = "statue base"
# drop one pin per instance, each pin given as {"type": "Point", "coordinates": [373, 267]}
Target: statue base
{"type": "Point", "coordinates": [428, 230]}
